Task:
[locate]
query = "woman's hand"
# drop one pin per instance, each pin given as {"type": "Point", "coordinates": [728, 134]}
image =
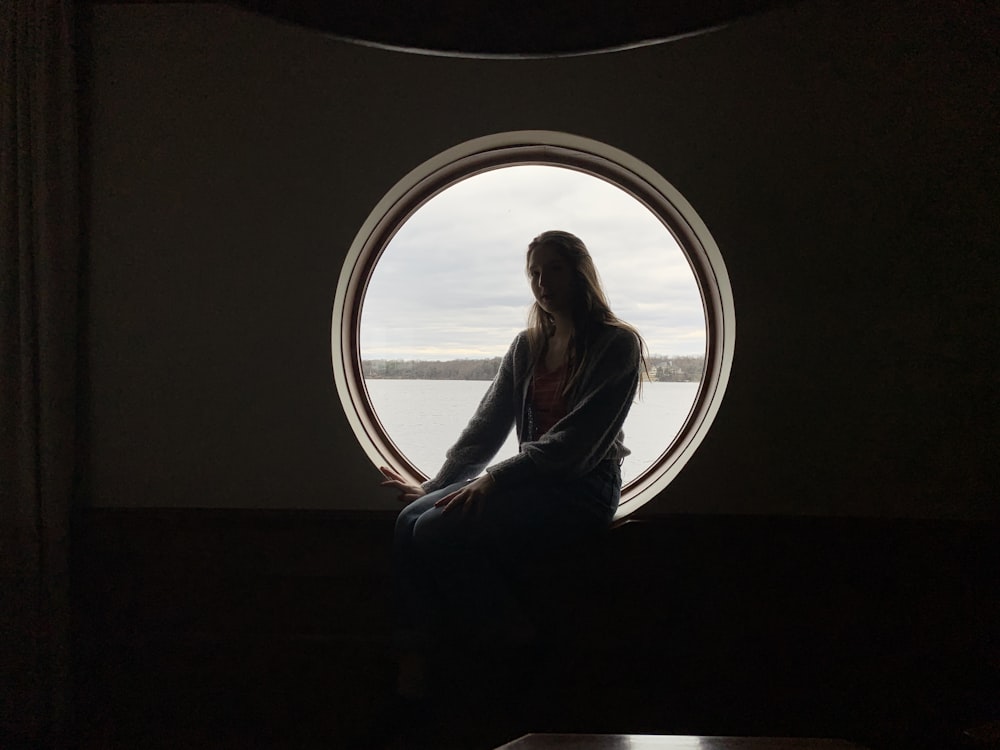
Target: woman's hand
{"type": "Point", "coordinates": [407, 492]}
{"type": "Point", "coordinates": [471, 494]}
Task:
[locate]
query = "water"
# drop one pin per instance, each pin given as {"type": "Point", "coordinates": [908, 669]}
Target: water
{"type": "Point", "coordinates": [424, 417]}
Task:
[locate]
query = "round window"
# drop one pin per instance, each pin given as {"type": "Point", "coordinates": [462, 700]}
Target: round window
{"type": "Point", "coordinates": [434, 290]}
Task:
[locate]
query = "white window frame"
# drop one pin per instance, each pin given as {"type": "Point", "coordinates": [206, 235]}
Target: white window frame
{"type": "Point", "coordinates": [544, 148]}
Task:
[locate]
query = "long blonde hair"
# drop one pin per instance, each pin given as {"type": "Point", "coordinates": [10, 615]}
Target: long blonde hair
{"type": "Point", "coordinates": [590, 308]}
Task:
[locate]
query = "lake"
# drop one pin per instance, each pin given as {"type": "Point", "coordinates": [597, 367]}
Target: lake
{"type": "Point", "coordinates": [424, 417]}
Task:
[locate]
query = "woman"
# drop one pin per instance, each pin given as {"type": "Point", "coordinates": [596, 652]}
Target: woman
{"type": "Point", "coordinates": [565, 385]}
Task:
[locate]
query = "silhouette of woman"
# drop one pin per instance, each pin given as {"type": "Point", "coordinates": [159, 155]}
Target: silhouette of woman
{"type": "Point", "coordinates": [565, 385]}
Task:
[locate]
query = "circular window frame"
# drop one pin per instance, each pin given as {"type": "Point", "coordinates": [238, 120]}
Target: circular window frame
{"type": "Point", "coordinates": [541, 148]}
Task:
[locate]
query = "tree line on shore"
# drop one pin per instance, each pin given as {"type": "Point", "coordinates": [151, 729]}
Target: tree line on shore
{"type": "Point", "coordinates": [684, 369]}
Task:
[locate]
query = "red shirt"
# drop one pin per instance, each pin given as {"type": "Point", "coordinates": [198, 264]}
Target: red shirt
{"type": "Point", "coordinates": [547, 401]}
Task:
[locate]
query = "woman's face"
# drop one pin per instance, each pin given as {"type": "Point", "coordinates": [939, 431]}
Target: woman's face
{"type": "Point", "coordinates": [552, 280]}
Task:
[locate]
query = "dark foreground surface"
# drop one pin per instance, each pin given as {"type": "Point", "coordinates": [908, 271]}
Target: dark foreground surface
{"type": "Point", "coordinates": [271, 629]}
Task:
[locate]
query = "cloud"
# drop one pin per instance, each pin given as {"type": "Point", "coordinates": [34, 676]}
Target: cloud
{"type": "Point", "coordinates": [451, 283]}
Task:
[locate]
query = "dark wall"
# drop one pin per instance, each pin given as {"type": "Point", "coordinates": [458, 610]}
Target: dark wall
{"type": "Point", "coordinates": [843, 156]}
{"type": "Point", "coordinates": [226, 628]}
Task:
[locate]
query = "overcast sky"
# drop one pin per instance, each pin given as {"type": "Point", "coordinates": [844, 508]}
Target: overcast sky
{"type": "Point", "coordinates": [451, 283]}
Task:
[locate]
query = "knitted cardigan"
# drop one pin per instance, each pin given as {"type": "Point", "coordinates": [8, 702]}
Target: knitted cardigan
{"type": "Point", "coordinates": [590, 432]}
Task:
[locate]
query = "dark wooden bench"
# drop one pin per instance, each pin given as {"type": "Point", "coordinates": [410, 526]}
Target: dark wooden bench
{"type": "Point", "coordinates": [669, 742]}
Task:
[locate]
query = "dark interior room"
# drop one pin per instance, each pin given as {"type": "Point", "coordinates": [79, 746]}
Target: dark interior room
{"type": "Point", "coordinates": [195, 549]}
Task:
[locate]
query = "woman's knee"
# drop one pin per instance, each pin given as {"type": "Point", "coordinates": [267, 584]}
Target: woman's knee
{"type": "Point", "coordinates": [417, 512]}
{"type": "Point", "coordinates": [437, 530]}
{"type": "Point", "coordinates": [408, 515]}
{"type": "Point", "coordinates": [407, 520]}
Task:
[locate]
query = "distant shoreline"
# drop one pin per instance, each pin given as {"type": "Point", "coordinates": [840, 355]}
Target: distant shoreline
{"type": "Point", "coordinates": [671, 369]}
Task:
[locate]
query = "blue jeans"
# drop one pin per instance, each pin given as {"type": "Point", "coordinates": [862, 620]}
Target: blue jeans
{"type": "Point", "coordinates": [454, 570]}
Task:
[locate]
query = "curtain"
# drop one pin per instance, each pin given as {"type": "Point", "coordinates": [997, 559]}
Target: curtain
{"type": "Point", "coordinates": [39, 321]}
